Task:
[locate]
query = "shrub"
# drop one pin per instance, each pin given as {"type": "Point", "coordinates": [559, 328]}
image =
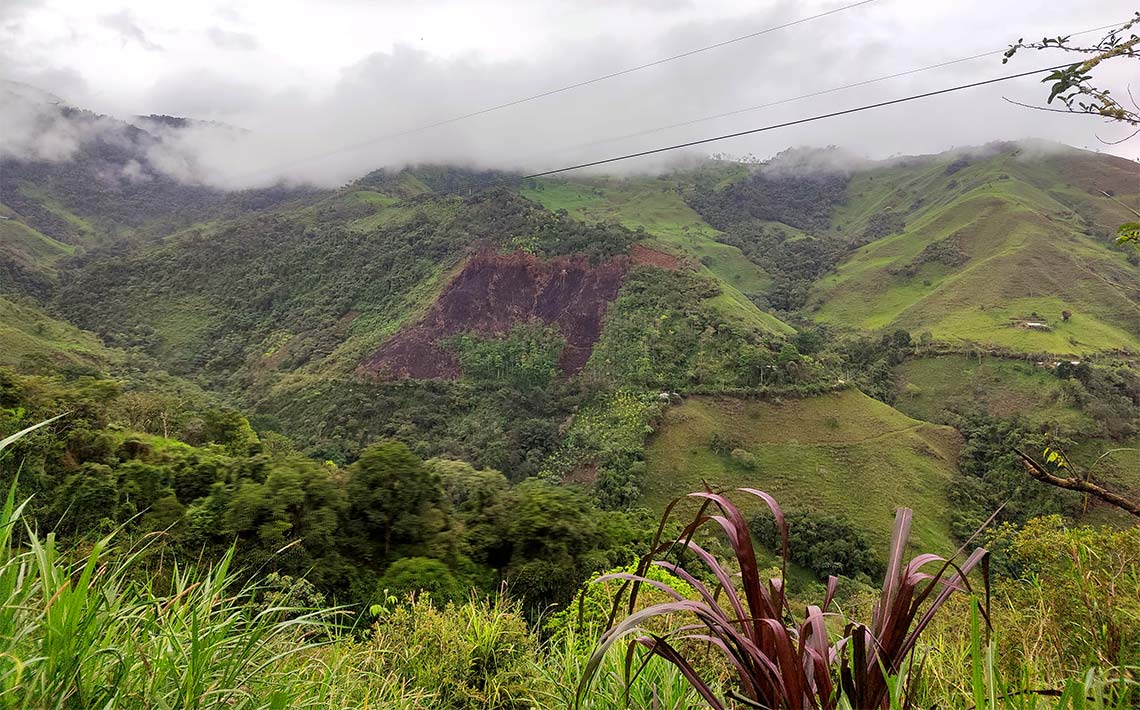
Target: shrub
{"type": "Point", "coordinates": [473, 655]}
{"type": "Point", "coordinates": [746, 459]}
{"type": "Point", "coordinates": [723, 444]}
{"type": "Point", "coordinates": [779, 662]}
{"type": "Point", "coordinates": [591, 610]}
{"type": "Point", "coordinates": [413, 576]}
{"type": "Point", "coordinates": [825, 544]}
{"type": "Point", "coordinates": [1090, 580]}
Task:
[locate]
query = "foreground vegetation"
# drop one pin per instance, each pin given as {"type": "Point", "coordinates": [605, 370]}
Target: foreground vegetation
{"type": "Point", "coordinates": [116, 622]}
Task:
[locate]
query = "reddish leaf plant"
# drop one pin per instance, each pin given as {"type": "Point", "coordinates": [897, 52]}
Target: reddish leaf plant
{"type": "Point", "coordinates": [779, 663]}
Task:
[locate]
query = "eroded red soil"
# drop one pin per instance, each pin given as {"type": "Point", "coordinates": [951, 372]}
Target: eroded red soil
{"type": "Point", "coordinates": [642, 254]}
{"type": "Point", "coordinates": [495, 292]}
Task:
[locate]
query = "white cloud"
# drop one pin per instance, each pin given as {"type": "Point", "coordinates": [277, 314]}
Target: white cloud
{"type": "Point", "coordinates": [320, 86]}
{"type": "Point", "coordinates": [224, 39]}
{"type": "Point", "coordinates": [123, 22]}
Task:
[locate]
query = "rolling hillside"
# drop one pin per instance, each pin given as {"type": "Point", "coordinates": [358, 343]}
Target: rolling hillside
{"type": "Point", "coordinates": [34, 341]}
{"type": "Point", "coordinates": [994, 251]}
{"type": "Point", "coordinates": [932, 388]}
{"type": "Point", "coordinates": [544, 329]}
{"type": "Point", "coordinates": [811, 454]}
{"type": "Point", "coordinates": [27, 257]}
{"type": "Point", "coordinates": [84, 179]}
{"type": "Point", "coordinates": [655, 205]}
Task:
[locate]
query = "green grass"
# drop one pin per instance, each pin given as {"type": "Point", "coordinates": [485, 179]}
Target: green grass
{"type": "Point", "coordinates": [1032, 243]}
{"type": "Point", "coordinates": [933, 388]}
{"type": "Point", "coordinates": [390, 212]}
{"type": "Point", "coordinates": [85, 232]}
{"type": "Point", "coordinates": [654, 205]}
{"type": "Point", "coordinates": [29, 336]}
{"type": "Point", "coordinates": [813, 454]}
{"type": "Point", "coordinates": [373, 198]}
{"type": "Point", "coordinates": [929, 388]}
{"type": "Point", "coordinates": [28, 246]}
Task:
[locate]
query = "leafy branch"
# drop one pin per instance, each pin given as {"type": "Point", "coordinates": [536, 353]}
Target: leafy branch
{"type": "Point", "coordinates": [1073, 86]}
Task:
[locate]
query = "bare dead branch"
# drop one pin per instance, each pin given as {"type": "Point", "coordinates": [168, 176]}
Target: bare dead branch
{"type": "Point", "coordinates": [1125, 138]}
{"type": "Point", "coordinates": [1117, 201]}
{"type": "Point", "coordinates": [1038, 471]}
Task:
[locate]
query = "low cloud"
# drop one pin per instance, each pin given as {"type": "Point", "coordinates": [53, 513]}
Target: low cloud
{"type": "Point", "coordinates": [235, 41]}
{"type": "Point", "coordinates": [36, 130]}
{"type": "Point", "coordinates": [123, 23]}
{"type": "Point", "coordinates": [393, 107]}
{"type": "Point", "coordinates": [831, 160]}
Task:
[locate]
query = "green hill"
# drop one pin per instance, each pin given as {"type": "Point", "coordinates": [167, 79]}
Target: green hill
{"type": "Point", "coordinates": [994, 251]}
{"type": "Point", "coordinates": [316, 313]}
{"type": "Point", "coordinates": [111, 187]}
{"type": "Point", "coordinates": [537, 329]}
{"type": "Point", "coordinates": [929, 388]}
{"type": "Point", "coordinates": [1095, 410]}
{"type": "Point", "coordinates": [27, 257]}
{"type": "Point", "coordinates": [844, 454]}
{"type": "Point", "coordinates": [33, 340]}
{"type": "Point", "coordinates": [657, 206]}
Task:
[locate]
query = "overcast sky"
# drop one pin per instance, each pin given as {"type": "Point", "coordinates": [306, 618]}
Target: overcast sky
{"type": "Point", "coordinates": [307, 78]}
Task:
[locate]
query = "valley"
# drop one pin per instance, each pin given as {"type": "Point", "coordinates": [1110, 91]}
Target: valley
{"type": "Point", "coordinates": [309, 311]}
{"type": "Point", "coordinates": [498, 380]}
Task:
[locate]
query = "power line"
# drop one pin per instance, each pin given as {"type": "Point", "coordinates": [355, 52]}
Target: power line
{"type": "Point", "coordinates": [786, 124]}
{"type": "Point", "coordinates": [813, 94]}
{"type": "Point", "coordinates": [751, 131]}
{"type": "Point", "coordinates": [569, 87]}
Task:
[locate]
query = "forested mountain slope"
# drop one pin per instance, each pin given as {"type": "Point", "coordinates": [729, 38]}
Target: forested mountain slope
{"type": "Point", "coordinates": [1008, 245]}
{"type": "Point", "coordinates": [80, 179]}
{"type": "Point", "coordinates": [303, 311]}
{"type": "Point", "coordinates": [551, 327]}
{"type": "Point", "coordinates": [657, 205]}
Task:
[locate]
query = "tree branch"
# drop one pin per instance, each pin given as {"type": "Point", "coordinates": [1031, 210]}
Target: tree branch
{"type": "Point", "coordinates": [1118, 142]}
{"type": "Point", "coordinates": [1038, 471]}
{"type": "Point", "coordinates": [1113, 198]}
{"type": "Point", "coordinates": [1126, 118]}
{"type": "Point", "coordinates": [1051, 110]}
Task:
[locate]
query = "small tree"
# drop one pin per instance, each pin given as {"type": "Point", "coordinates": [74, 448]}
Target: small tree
{"type": "Point", "coordinates": [413, 576]}
{"type": "Point", "coordinates": [395, 501]}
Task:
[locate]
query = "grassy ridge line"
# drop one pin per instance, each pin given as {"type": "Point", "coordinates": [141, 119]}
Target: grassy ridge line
{"type": "Point", "coordinates": [1023, 251]}
{"type": "Point", "coordinates": [28, 246]}
{"type": "Point", "coordinates": [653, 204]}
{"type": "Point", "coordinates": [813, 454]}
{"type": "Point", "coordinates": [28, 336]}
{"type": "Point", "coordinates": [1002, 388]}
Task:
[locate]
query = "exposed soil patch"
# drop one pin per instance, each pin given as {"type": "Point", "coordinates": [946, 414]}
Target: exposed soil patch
{"type": "Point", "coordinates": [495, 292]}
{"type": "Point", "coordinates": [585, 474]}
{"type": "Point", "coordinates": [641, 254]}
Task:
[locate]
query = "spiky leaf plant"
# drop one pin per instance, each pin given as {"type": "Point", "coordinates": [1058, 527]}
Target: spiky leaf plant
{"type": "Point", "coordinates": [778, 662]}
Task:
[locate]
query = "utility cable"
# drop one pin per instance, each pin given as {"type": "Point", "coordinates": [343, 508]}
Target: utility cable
{"type": "Point", "coordinates": [569, 87]}
{"type": "Point", "coordinates": [761, 129]}
{"type": "Point", "coordinates": [822, 92]}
